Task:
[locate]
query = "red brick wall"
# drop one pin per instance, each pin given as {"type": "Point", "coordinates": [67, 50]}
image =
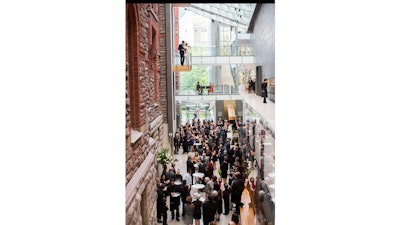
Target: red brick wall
{"type": "Point", "coordinates": [145, 32]}
{"type": "Point", "coordinates": [163, 60]}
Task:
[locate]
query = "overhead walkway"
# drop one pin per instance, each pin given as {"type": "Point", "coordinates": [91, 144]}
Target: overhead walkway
{"type": "Point", "coordinates": [208, 97]}
{"type": "Point", "coordinates": [219, 92]}
{"type": "Point", "coordinates": [227, 55]}
{"type": "Point", "coordinates": [218, 60]}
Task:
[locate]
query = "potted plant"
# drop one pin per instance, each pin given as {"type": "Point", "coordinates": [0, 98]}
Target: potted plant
{"type": "Point", "coordinates": [164, 157]}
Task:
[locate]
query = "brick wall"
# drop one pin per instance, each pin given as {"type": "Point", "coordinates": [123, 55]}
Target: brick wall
{"type": "Point", "coordinates": [145, 107]}
{"type": "Point", "coordinates": [163, 60]}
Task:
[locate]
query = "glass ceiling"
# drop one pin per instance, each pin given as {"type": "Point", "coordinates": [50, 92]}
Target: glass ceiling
{"type": "Point", "coordinates": [237, 15]}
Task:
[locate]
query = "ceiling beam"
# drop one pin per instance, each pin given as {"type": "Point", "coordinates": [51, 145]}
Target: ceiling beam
{"type": "Point", "coordinates": [218, 18]}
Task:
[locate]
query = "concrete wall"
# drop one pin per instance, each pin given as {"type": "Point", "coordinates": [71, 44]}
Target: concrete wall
{"type": "Point", "coordinates": [264, 42]}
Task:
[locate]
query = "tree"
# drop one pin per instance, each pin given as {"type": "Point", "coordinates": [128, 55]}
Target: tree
{"type": "Point", "coordinates": [188, 80]}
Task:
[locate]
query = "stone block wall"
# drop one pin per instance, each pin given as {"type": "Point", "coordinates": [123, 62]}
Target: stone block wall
{"type": "Point", "coordinates": [141, 196]}
{"type": "Point", "coordinates": [163, 60]}
{"type": "Point", "coordinates": [146, 74]}
{"type": "Point", "coordinates": [145, 108]}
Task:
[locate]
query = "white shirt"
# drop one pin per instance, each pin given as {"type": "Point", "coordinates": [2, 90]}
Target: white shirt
{"type": "Point", "coordinates": [188, 179]}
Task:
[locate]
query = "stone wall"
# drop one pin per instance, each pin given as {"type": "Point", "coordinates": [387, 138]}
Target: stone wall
{"type": "Point", "coordinates": [163, 60]}
{"type": "Point", "coordinates": [145, 113]}
{"type": "Point", "coordinates": [141, 195]}
{"type": "Point", "coordinates": [144, 81]}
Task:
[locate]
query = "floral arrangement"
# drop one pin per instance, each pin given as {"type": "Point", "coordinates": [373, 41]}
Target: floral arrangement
{"type": "Point", "coordinates": [164, 157]}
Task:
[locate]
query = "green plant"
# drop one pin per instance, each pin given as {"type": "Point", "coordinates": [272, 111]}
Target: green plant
{"type": "Point", "coordinates": [164, 156]}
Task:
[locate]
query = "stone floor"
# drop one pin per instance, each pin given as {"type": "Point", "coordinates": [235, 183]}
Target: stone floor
{"type": "Point", "coordinates": [224, 219]}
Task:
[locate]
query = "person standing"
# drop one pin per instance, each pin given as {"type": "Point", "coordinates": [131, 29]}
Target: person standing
{"type": "Point", "coordinates": [224, 169]}
{"type": "Point", "coordinates": [188, 177]}
{"type": "Point", "coordinates": [185, 192]}
{"type": "Point", "coordinates": [174, 191]}
{"type": "Point", "coordinates": [188, 211]}
{"type": "Point", "coordinates": [264, 90]}
{"type": "Point", "coordinates": [209, 209]}
{"type": "Point", "coordinates": [181, 49]}
{"type": "Point", "coordinates": [218, 198]}
{"type": "Point", "coordinates": [187, 48]}
{"type": "Point", "coordinates": [236, 191]}
{"type": "Point", "coordinates": [225, 196]}
{"type": "Point", "coordinates": [160, 201]}
{"type": "Point", "coordinates": [177, 142]}
{"type": "Point", "coordinates": [198, 88]}
{"type": "Point", "coordinates": [162, 204]}
{"type": "Point", "coordinates": [197, 209]}
{"type": "Point", "coordinates": [185, 144]}
{"type": "Point", "coordinates": [211, 88]}
{"type": "Point", "coordinates": [164, 209]}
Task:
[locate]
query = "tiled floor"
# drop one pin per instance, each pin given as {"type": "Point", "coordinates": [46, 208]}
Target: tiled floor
{"type": "Point", "coordinates": [224, 219]}
{"type": "Point", "coordinates": [266, 110]}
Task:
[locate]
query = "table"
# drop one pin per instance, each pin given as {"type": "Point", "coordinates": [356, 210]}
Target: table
{"type": "Point", "coordinates": [196, 177]}
{"type": "Point", "coordinates": [198, 186]}
{"type": "Point", "coordinates": [201, 175]}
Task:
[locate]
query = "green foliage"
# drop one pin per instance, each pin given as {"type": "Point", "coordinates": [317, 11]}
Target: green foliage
{"type": "Point", "coordinates": [189, 79]}
{"type": "Point", "coordinates": [164, 157]}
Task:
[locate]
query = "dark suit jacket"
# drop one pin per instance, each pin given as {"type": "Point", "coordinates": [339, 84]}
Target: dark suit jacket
{"type": "Point", "coordinates": [209, 209]}
{"type": "Point", "coordinates": [237, 189]}
{"type": "Point", "coordinates": [264, 89]}
{"type": "Point", "coordinates": [181, 49]}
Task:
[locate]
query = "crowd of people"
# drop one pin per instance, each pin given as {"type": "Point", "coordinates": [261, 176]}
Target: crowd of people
{"type": "Point", "coordinates": [222, 160]}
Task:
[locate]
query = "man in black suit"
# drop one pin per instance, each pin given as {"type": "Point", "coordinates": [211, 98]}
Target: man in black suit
{"type": "Point", "coordinates": [264, 90]}
{"type": "Point", "coordinates": [181, 49]}
{"type": "Point", "coordinates": [209, 209]}
{"type": "Point", "coordinates": [174, 201]}
{"type": "Point", "coordinates": [236, 191]}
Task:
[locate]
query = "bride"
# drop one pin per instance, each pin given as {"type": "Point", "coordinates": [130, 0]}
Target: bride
{"type": "Point", "coordinates": [187, 49]}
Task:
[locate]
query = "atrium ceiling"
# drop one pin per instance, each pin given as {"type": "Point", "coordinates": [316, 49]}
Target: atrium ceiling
{"type": "Point", "coordinates": [236, 15]}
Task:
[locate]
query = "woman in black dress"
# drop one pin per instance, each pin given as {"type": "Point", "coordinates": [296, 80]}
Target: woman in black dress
{"type": "Point", "coordinates": [197, 209]}
{"type": "Point", "coordinates": [214, 158]}
{"type": "Point", "coordinates": [224, 169]}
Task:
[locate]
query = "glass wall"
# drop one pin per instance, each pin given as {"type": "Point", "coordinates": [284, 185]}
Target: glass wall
{"type": "Point", "coordinates": [203, 110]}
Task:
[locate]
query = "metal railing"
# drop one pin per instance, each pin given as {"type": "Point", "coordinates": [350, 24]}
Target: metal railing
{"type": "Point", "coordinates": [245, 50]}
{"type": "Point", "coordinates": [187, 62]}
{"type": "Point", "coordinates": [205, 90]}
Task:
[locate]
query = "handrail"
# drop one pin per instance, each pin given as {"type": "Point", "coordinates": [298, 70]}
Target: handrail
{"type": "Point", "coordinates": [243, 50]}
{"type": "Point", "coordinates": [217, 90]}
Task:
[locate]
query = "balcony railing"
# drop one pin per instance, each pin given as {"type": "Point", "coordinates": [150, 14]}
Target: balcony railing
{"type": "Point", "coordinates": [205, 90]}
{"type": "Point", "coordinates": [245, 50]}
